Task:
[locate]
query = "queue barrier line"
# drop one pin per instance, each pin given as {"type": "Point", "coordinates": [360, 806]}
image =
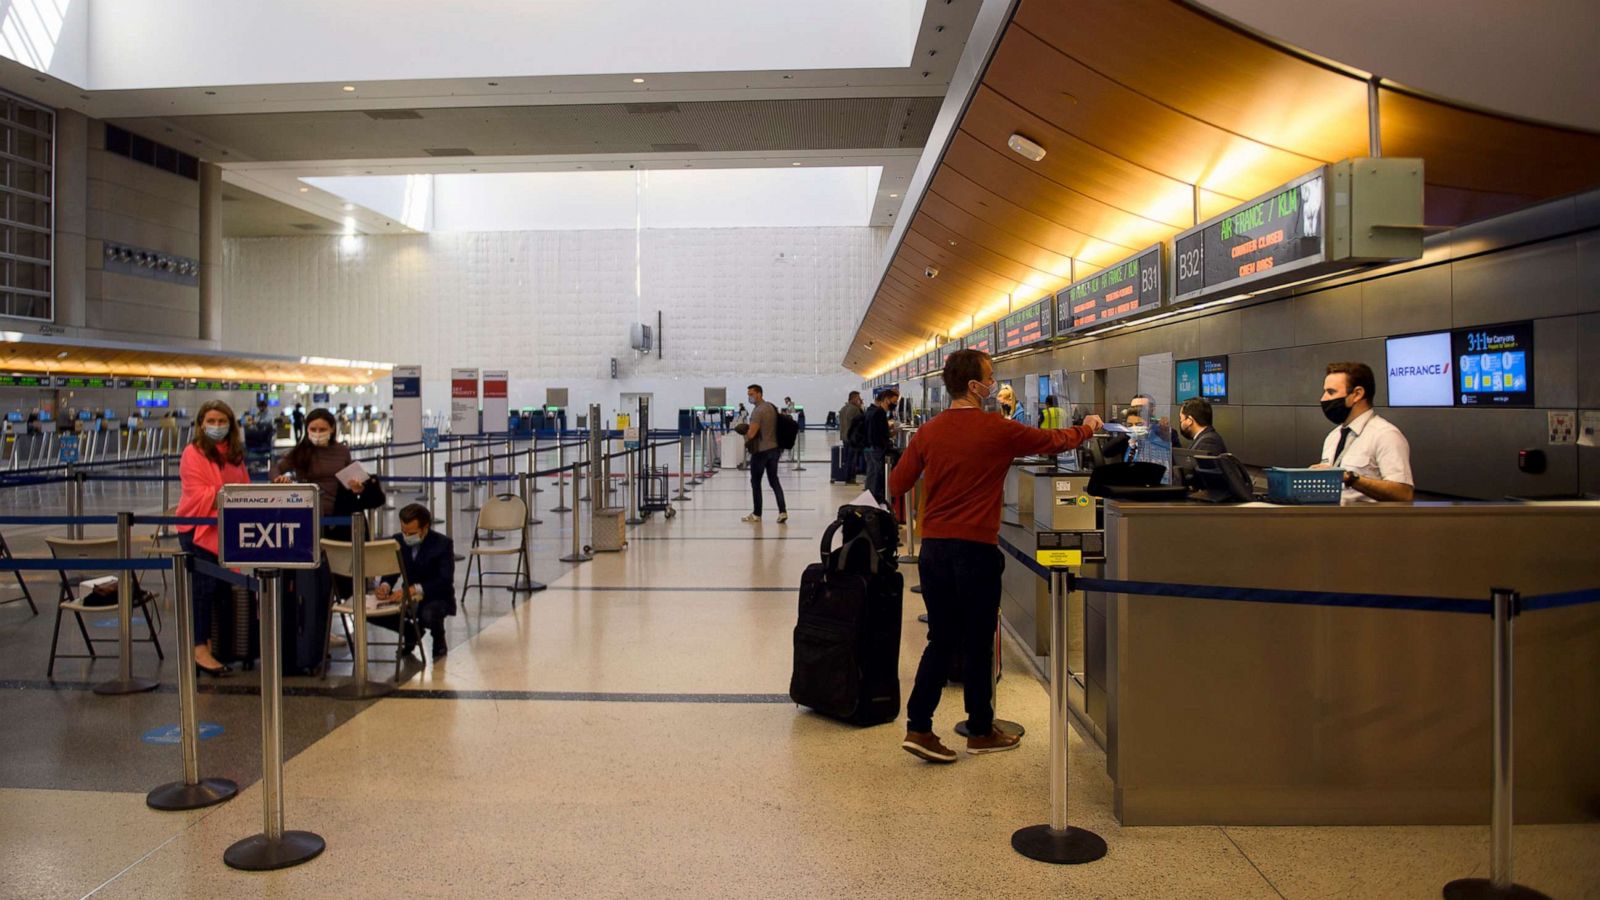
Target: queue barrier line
{"type": "Point", "coordinates": [1293, 597]}
{"type": "Point", "coordinates": [33, 482]}
{"type": "Point", "coordinates": [51, 564]}
{"type": "Point", "coordinates": [438, 479]}
{"type": "Point", "coordinates": [1560, 600]}
{"type": "Point", "coordinates": [58, 520]}
{"type": "Point", "coordinates": [237, 579]}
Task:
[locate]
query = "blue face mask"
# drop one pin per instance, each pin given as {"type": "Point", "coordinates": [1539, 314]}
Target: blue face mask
{"type": "Point", "coordinates": [217, 432]}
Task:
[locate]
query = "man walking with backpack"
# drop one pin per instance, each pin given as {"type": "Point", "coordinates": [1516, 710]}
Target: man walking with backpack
{"type": "Point", "coordinates": [963, 456]}
{"type": "Point", "coordinates": [763, 440]}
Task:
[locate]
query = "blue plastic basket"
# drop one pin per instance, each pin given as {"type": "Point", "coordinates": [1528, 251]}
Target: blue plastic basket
{"type": "Point", "coordinates": [1305, 485]}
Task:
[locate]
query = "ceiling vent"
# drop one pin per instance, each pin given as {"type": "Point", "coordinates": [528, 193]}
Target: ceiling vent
{"type": "Point", "coordinates": [676, 148]}
{"type": "Point", "coordinates": [649, 109]}
{"type": "Point", "coordinates": [307, 226]}
{"type": "Point", "coordinates": [448, 151]}
{"type": "Point", "coordinates": [392, 114]}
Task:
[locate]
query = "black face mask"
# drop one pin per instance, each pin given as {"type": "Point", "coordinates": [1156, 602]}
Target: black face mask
{"type": "Point", "coordinates": [1335, 410]}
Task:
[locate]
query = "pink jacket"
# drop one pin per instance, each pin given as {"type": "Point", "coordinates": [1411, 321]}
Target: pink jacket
{"type": "Point", "coordinates": [202, 479]}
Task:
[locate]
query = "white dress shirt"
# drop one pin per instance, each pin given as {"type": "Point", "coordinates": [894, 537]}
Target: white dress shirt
{"type": "Point", "coordinates": [1375, 449]}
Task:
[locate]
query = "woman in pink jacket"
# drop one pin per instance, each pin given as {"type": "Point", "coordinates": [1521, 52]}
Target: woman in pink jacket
{"type": "Point", "coordinates": [214, 457]}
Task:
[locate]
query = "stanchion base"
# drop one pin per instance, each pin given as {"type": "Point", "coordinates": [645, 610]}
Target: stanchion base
{"type": "Point", "coordinates": [577, 557]}
{"type": "Point", "coordinates": [118, 686]}
{"type": "Point", "coordinates": [538, 490]}
{"type": "Point", "coordinates": [1006, 726]}
{"type": "Point", "coordinates": [178, 796]}
{"type": "Point", "coordinates": [633, 521]}
{"type": "Point", "coordinates": [1064, 848]}
{"type": "Point", "coordinates": [1483, 889]}
{"type": "Point", "coordinates": [489, 538]}
{"type": "Point", "coordinates": [680, 496]}
{"type": "Point", "coordinates": [907, 559]}
{"type": "Point", "coordinates": [362, 690]}
{"type": "Point", "coordinates": [917, 589]}
{"type": "Point", "coordinates": [259, 853]}
{"type": "Point", "coordinates": [561, 508]}
{"type": "Point", "coordinates": [524, 586]}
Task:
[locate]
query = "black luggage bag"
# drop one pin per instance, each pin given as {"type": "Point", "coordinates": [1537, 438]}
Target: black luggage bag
{"type": "Point", "coordinates": [235, 629]}
{"type": "Point", "coordinates": [847, 639]}
{"type": "Point", "coordinates": [839, 465]}
{"type": "Point", "coordinates": [306, 618]}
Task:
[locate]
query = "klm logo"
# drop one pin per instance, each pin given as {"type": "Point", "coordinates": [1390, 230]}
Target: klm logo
{"type": "Point", "coordinates": [1419, 371]}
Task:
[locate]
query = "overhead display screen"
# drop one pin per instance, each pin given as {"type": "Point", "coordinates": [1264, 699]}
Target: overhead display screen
{"type": "Point", "coordinates": [135, 383]}
{"type": "Point", "coordinates": [1274, 233]}
{"type": "Point", "coordinates": [1214, 379]}
{"type": "Point", "coordinates": [172, 384]}
{"type": "Point", "coordinates": [1033, 324]}
{"type": "Point", "coordinates": [946, 350]}
{"type": "Point", "coordinates": [1494, 365]}
{"type": "Point", "coordinates": [1421, 370]}
{"type": "Point", "coordinates": [1128, 288]}
{"type": "Point", "coordinates": [82, 382]}
{"type": "Point", "coordinates": [981, 339]}
{"type": "Point", "coordinates": [25, 381]}
{"type": "Point", "coordinates": [930, 363]}
{"type": "Point", "coordinates": [1186, 380]}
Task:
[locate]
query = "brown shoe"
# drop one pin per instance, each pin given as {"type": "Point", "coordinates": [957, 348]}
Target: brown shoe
{"type": "Point", "coordinates": [993, 742]}
{"type": "Point", "coordinates": [927, 745]}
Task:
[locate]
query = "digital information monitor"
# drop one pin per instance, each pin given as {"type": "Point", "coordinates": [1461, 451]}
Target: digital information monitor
{"type": "Point", "coordinates": [1494, 365]}
{"type": "Point", "coordinates": [1275, 233]}
{"type": "Point", "coordinates": [1033, 324]}
{"type": "Point", "coordinates": [946, 350]}
{"type": "Point", "coordinates": [1214, 379]}
{"type": "Point", "coordinates": [1185, 379]}
{"type": "Point", "coordinates": [1421, 371]}
{"type": "Point", "coordinates": [1126, 288]}
{"type": "Point", "coordinates": [980, 339]}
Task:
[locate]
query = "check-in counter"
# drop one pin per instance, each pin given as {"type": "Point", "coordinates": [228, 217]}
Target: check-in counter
{"type": "Point", "coordinates": [1262, 713]}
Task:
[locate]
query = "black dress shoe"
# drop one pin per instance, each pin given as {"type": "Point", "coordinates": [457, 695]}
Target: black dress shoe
{"type": "Point", "coordinates": [219, 672]}
{"type": "Point", "coordinates": [440, 651]}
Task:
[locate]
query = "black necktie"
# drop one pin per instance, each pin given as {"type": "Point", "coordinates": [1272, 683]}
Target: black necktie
{"type": "Point", "coordinates": [1344, 435]}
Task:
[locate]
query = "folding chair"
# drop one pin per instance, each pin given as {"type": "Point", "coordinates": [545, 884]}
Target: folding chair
{"type": "Point", "coordinates": [92, 548]}
{"type": "Point", "coordinates": [381, 559]}
{"type": "Point", "coordinates": [500, 513]}
{"type": "Point", "coordinates": [5, 553]}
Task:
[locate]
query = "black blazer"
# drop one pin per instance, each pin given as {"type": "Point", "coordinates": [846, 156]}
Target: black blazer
{"type": "Point", "coordinates": [1209, 443]}
{"type": "Point", "coordinates": [432, 567]}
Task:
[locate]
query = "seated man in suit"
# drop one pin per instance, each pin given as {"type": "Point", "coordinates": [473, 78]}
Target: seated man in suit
{"type": "Point", "coordinates": [430, 561]}
{"type": "Point", "coordinates": [1194, 420]}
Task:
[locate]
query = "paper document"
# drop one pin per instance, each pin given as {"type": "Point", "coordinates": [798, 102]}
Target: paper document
{"type": "Point", "coordinates": [352, 472]}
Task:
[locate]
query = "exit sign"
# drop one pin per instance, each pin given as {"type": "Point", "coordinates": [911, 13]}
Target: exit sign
{"type": "Point", "coordinates": [270, 526]}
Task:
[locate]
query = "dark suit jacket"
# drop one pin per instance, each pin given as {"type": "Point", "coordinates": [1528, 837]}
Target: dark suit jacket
{"type": "Point", "coordinates": [1209, 443]}
{"type": "Point", "coordinates": [431, 565]}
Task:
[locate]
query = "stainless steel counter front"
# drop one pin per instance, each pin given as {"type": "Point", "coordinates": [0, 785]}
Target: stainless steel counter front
{"type": "Point", "coordinates": [1260, 713]}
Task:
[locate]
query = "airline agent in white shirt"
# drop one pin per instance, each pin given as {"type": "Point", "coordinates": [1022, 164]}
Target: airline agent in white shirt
{"type": "Point", "coordinates": [1374, 454]}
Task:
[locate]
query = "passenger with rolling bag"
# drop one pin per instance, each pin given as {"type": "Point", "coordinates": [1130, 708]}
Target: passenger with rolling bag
{"type": "Point", "coordinates": [962, 456]}
{"type": "Point", "coordinates": [847, 639]}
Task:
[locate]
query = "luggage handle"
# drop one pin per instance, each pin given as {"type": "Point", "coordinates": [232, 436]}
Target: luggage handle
{"type": "Point", "coordinates": [844, 550]}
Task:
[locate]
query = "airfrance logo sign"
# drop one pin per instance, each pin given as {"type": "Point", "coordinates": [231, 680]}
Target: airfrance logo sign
{"type": "Point", "coordinates": [270, 525]}
{"type": "Point", "coordinates": [1419, 371]}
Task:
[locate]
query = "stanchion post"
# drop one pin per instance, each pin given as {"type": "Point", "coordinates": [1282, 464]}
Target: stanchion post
{"type": "Point", "coordinates": [166, 490]}
{"type": "Point", "coordinates": [76, 487]}
{"type": "Point", "coordinates": [683, 464]}
{"type": "Point", "coordinates": [427, 473]}
{"type": "Point", "coordinates": [125, 683]}
{"type": "Point", "coordinates": [633, 459]}
{"type": "Point", "coordinates": [588, 470]}
{"type": "Point", "coordinates": [561, 479]}
{"type": "Point", "coordinates": [577, 555]}
{"type": "Point", "coordinates": [359, 687]}
{"type": "Point", "coordinates": [1500, 883]}
{"type": "Point", "coordinates": [193, 792]}
{"type": "Point", "coordinates": [910, 556]}
{"type": "Point", "coordinates": [1057, 842]}
{"type": "Point", "coordinates": [273, 848]}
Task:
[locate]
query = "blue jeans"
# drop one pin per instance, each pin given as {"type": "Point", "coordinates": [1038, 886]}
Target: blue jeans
{"type": "Point", "coordinates": [765, 462]}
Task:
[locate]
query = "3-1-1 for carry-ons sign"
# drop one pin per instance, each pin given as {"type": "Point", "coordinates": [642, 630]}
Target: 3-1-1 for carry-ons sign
{"type": "Point", "coordinates": [269, 526]}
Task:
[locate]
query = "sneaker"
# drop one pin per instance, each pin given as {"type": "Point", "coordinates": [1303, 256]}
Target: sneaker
{"type": "Point", "coordinates": [993, 742]}
{"type": "Point", "coordinates": [927, 745]}
{"type": "Point", "coordinates": [751, 518]}
{"type": "Point", "coordinates": [782, 518]}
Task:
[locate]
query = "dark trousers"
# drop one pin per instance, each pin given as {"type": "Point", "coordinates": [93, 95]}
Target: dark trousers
{"type": "Point", "coordinates": [204, 591]}
{"type": "Point", "coordinates": [872, 460]}
{"type": "Point", "coordinates": [961, 586]}
{"type": "Point", "coordinates": [765, 462]}
{"type": "Point", "coordinates": [430, 616]}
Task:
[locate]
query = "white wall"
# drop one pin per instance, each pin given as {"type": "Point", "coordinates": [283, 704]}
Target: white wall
{"type": "Point", "coordinates": [50, 36]}
{"type": "Point", "coordinates": [182, 43]}
{"type": "Point", "coordinates": [554, 307]}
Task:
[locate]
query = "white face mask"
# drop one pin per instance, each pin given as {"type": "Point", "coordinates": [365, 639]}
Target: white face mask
{"type": "Point", "coordinates": [216, 432]}
{"type": "Point", "coordinates": [320, 438]}
{"type": "Point", "coordinates": [412, 540]}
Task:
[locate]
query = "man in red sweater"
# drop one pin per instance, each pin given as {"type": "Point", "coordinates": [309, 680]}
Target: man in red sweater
{"type": "Point", "coordinates": [964, 454]}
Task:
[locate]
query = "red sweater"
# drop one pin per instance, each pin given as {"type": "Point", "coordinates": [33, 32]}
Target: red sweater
{"type": "Point", "coordinates": [202, 480]}
{"type": "Point", "coordinates": [964, 454]}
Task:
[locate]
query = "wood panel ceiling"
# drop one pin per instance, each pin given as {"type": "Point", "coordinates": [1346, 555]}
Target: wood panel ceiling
{"type": "Point", "coordinates": [139, 362]}
{"type": "Point", "coordinates": [1149, 108]}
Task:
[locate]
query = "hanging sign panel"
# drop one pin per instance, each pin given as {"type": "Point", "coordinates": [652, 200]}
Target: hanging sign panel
{"type": "Point", "coordinates": [1129, 287]}
{"type": "Point", "coordinates": [1033, 324]}
{"type": "Point", "coordinates": [464, 401]}
{"type": "Point", "coordinates": [981, 339]}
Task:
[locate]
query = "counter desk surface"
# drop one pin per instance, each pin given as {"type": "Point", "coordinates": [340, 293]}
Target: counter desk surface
{"type": "Point", "coordinates": [1263, 713]}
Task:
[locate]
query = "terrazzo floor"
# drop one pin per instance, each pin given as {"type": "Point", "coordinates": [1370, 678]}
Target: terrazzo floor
{"type": "Point", "coordinates": [627, 733]}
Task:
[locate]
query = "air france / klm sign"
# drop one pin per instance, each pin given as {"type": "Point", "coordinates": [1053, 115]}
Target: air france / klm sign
{"type": "Point", "coordinates": [269, 526]}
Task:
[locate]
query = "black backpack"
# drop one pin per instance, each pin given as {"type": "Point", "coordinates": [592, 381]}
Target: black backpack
{"type": "Point", "coordinates": [788, 431]}
{"type": "Point", "coordinates": [864, 530]}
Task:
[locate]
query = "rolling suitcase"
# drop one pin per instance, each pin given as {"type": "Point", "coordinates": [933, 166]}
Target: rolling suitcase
{"type": "Point", "coordinates": [839, 465]}
{"type": "Point", "coordinates": [235, 629]}
{"type": "Point", "coordinates": [847, 639]}
{"type": "Point", "coordinates": [307, 614]}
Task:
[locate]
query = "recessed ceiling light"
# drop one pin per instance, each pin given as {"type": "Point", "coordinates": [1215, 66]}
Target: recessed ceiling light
{"type": "Point", "coordinates": [638, 81]}
{"type": "Point", "coordinates": [952, 243]}
{"type": "Point", "coordinates": [350, 206]}
{"type": "Point", "coordinates": [1025, 148]}
{"type": "Point", "coordinates": [894, 195]}
{"type": "Point", "coordinates": [304, 189]}
{"type": "Point", "coordinates": [349, 88]}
